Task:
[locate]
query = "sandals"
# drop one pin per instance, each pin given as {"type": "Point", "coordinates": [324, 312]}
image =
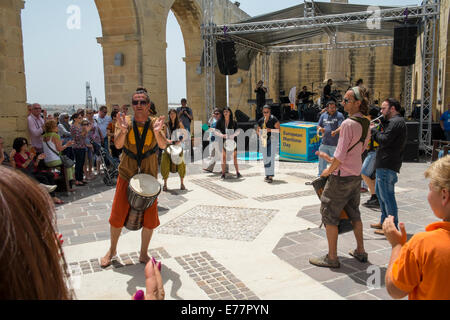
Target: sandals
{"type": "Point", "coordinates": [165, 188]}
{"type": "Point", "coordinates": [379, 232]}
{"type": "Point", "coordinates": [376, 226]}
{"type": "Point", "coordinates": [361, 257]}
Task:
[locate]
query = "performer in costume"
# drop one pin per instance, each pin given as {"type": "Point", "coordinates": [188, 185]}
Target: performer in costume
{"type": "Point", "coordinates": [145, 132]}
{"type": "Point", "coordinates": [170, 128]}
{"type": "Point", "coordinates": [267, 124]}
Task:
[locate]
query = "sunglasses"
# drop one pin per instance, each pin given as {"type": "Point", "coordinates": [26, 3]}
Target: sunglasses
{"type": "Point", "coordinates": [346, 101]}
{"type": "Point", "coordinates": [216, 113]}
{"type": "Point", "coordinates": [265, 112]}
{"type": "Point", "coordinates": [139, 102]}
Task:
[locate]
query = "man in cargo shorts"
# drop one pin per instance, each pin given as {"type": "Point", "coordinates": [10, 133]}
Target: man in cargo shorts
{"type": "Point", "coordinates": [342, 190]}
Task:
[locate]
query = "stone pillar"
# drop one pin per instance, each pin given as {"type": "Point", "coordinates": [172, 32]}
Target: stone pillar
{"type": "Point", "coordinates": [120, 81]}
{"type": "Point", "coordinates": [195, 87]}
{"type": "Point", "coordinates": [13, 111]}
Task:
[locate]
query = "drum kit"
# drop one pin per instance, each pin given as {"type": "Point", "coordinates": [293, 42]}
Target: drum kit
{"type": "Point", "coordinates": [175, 155]}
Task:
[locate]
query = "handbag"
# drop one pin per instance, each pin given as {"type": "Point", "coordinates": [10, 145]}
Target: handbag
{"type": "Point", "coordinates": [66, 161]}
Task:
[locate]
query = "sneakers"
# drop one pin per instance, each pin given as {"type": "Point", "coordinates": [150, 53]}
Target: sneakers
{"type": "Point", "coordinates": [325, 262]}
{"type": "Point", "coordinates": [372, 203]}
{"type": "Point", "coordinates": [49, 188]}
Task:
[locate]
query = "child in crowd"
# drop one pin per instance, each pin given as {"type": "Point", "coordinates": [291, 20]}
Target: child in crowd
{"type": "Point", "coordinates": [420, 267]}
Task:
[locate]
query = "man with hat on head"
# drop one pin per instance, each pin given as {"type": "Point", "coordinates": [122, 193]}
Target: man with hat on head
{"type": "Point", "coordinates": [329, 123]}
{"type": "Point", "coordinates": [145, 131]}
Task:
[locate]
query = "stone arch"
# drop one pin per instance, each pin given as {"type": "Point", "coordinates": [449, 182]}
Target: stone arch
{"type": "Point", "coordinates": [121, 34]}
{"type": "Point", "coordinates": [188, 14]}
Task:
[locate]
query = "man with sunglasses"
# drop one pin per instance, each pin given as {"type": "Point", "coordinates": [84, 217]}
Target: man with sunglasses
{"type": "Point", "coordinates": [36, 127]}
{"type": "Point", "coordinates": [342, 189]}
{"type": "Point", "coordinates": [151, 138]}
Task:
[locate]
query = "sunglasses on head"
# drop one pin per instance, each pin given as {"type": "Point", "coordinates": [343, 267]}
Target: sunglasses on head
{"type": "Point", "coordinates": [139, 102]}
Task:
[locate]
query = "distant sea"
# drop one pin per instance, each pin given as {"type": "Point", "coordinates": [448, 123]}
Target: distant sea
{"type": "Point", "coordinates": [71, 108]}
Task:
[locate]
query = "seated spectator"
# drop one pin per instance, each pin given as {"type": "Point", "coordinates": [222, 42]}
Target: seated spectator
{"type": "Point", "coordinates": [28, 163]}
{"type": "Point", "coordinates": [52, 148]}
{"type": "Point", "coordinates": [30, 245]}
{"type": "Point", "coordinates": [420, 267]}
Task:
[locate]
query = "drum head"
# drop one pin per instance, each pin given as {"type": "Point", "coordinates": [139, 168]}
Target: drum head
{"type": "Point", "coordinates": [145, 185]}
{"type": "Point", "coordinates": [174, 150]}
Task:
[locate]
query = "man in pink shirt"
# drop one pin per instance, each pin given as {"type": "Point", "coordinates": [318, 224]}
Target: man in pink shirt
{"type": "Point", "coordinates": [342, 190]}
{"type": "Point", "coordinates": [36, 127]}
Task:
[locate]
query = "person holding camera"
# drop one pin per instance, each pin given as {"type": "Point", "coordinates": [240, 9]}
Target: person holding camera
{"type": "Point", "coordinates": [185, 115]}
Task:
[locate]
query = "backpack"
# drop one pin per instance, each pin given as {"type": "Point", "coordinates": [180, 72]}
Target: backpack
{"type": "Point", "coordinates": [365, 123]}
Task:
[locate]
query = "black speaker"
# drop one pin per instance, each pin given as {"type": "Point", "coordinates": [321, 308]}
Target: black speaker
{"type": "Point", "coordinates": [241, 116]}
{"type": "Point", "coordinates": [226, 57]}
{"type": "Point", "coordinates": [405, 39]}
{"type": "Point", "coordinates": [411, 152]}
{"type": "Point", "coordinates": [412, 131]}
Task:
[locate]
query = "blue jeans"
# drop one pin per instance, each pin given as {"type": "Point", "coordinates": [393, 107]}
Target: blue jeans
{"type": "Point", "coordinates": [329, 150]}
{"type": "Point", "coordinates": [385, 190]}
{"type": "Point", "coordinates": [269, 159]}
{"type": "Point", "coordinates": [368, 166]}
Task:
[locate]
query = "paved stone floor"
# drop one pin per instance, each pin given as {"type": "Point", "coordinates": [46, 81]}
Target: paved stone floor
{"type": "Point", "coordinates": [235, 238]}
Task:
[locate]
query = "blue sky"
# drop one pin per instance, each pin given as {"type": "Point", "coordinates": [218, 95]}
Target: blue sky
{"type": "Point", "coordinates": [59, 60]}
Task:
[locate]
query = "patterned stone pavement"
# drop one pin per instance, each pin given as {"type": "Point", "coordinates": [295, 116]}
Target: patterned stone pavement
{"type": "Point", "coordinates": [214, 234]}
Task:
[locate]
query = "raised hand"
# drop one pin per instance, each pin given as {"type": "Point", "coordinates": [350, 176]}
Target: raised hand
{"type": "Point", "coordinates": [394, 236]}
{"type": "Point", "coordinates": [159, 123]}
{"type": "Point", "coordinates": [122, 122]}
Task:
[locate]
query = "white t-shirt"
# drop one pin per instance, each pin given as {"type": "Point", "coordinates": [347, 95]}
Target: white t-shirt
{"type": "Point", "coordinates": [103, 123]}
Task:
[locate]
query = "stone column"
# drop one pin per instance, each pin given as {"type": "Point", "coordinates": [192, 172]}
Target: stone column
{"type": "Point", "coordinates": [13, 111]}
{"type": "Point", "coordinates": [120, 80]}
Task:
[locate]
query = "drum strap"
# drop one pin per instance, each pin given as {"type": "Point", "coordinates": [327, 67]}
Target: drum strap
{"type": "Point", "coordinates": [140, 140]}
{"type": "Point", "coordinates": [145, 155]}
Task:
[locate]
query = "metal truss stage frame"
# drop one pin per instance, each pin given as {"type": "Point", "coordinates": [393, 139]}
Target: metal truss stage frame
{"type": "Point", "coordinates": [427, 14]}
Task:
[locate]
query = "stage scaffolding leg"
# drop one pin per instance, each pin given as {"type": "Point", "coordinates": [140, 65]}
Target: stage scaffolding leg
{"type": "Point", "coordinates": [209, 56]}
{"type": "Point", "coordinates": [408, 90]}
{"type": "Point", "coordinates": [428, 53]}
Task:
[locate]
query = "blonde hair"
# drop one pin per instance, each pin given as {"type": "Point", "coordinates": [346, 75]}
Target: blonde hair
{"type": "Point", "coordinates": [50, 125]}
{"type": "Point", "coordinates": [439, 173]}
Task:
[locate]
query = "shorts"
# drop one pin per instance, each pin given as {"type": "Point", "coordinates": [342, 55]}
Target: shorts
{"type": "Point", "coordinates": [368, 166]}
{"type": "Point", "coordinates": [120, 208]}
{"type": "Point", "coordinates": [340, 193]}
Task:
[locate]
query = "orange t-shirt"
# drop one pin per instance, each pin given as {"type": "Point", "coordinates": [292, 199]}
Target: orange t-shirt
{"type": "Point", "coordinates": [423, 267]}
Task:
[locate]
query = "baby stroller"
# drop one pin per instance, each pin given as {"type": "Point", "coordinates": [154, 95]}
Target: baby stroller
{"type": "Point", "coordinates": [110, 165]}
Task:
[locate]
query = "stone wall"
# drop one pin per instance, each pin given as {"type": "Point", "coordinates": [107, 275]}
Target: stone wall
{"type": "Point", "coordinates": [13, 111]}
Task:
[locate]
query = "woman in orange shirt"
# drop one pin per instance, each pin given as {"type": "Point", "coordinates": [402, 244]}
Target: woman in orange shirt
{"type": "Point", "coordinates": [420, 267]}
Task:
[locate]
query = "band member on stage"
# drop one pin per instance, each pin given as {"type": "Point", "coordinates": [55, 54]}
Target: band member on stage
{"type": "Point", "coordinates": [266, 125]}
{"type": "Point", "coordinates": [342, 190]}
{"type": "Point", "coordinates": [226, 129]}
{"type": "Point", "coordinates": [260, 98]}
{"type": "Point", "coordinates": [304, 99]}
{"type": "Point", "coordinates": [327, 92]}
{"type": "Point", "coordinates": [170, 127]}
{"type": "Point", "coordinates": [127, 139]}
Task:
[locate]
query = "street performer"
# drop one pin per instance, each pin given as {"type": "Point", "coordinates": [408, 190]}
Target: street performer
{"type": "Point", "coordinates": [126, 138]}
